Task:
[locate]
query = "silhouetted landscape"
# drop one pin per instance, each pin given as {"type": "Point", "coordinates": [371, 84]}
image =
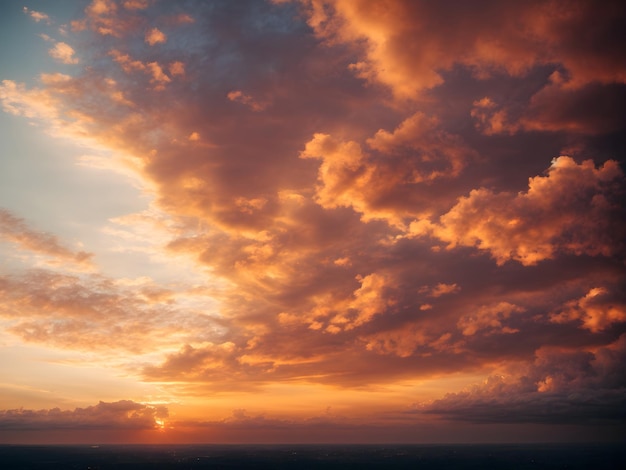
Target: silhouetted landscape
{"type": "Point", "coordinates": [512, 456]}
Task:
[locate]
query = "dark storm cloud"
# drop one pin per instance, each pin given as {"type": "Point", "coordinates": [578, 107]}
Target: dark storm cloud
{"type": "Point", "coordinates": [560, 386]}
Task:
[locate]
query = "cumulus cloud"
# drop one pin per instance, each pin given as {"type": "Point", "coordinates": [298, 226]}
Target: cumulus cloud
{"type": "Point", "coordinates": [123, 414]}
{"type": "Point", "coordinates": [155, 36]}
{"type": "Point", "coordinates": [492, 119]}
{"type": "Point", "coordinates": [407, 45]}
{"type": "Point", "coordinates": [438, 153]}
{"type": "Point", "coordinates": [158, 77]}
{"type": "Point", "coordinates": [560, 386]}
{"type": "Point", "coordinates": [573, 209]}
{"type": "Point", "coordinates": [64, 53]}
{"type": "Point", "coordinates": [107, 19]}
{"type": "Point", "coordinates": [417, 152]}
{"type": "Point", "coordinates": [176, 68]}
{"type": "Point", "coordinates": [596, 311]}
{"type": "Point", "coordinates": [369, 300]}
{"type": "Point", "coordinates": [405, 341]}
{"type": "Point", "coordinates": [488, 318]}
{"type": "Point", "coordinates": [343, 174]}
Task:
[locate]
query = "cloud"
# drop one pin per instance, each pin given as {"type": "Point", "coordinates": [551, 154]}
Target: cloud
{"type": "Point", "coordinates": [572, 210]}
{"type": "Point", "coordinates": [102, 7]}
{"type": "Point", "coordinates": [240, 97]}
{"type": "Point", "coordinates": [158, 77]}
{"type": "Point", "coordinates": [29, 103]}
{"type": "Point", "coordinates": [136, 4]}
{"type": "Point", "coordinates": [176, 68]}
{"type": "Point", "coordinates": [16, 230]}
{"type": "Point", "coordinates": [407, 45]}
{"type": "Point", "coordinates": [155, 36]}
{"type": "Point", "coordinates": [440, 289]}
{"type": "Point", "coordinates": [440, 153]}
{"type": "Point", "coordinates": [488, 318]}
{"type": "Point", "coordinates": [94, 313]}
{"type": "Point", "coordinates": [596, 311]}
{"type": "Point", "coordinates": [591, 109]}
{"type": "Point", "coordinates": [37, 15]}
{"type": "Point", "coordinates": [123, 414]}
{"type": "Point", "coordinates": [560, 386]}
{"type": "Point", "coordinates": [491, 119]}
{"type": "Point", "coordinates": [64, 53]}
{"type": "Point", "coordinates": [417, 152]}
{"type": "Point", "coordinates": [369, 300]}
{"type": "Point", "coordinates": [404, 342]}
{"type": "Point", "coordinates": [107, 19]}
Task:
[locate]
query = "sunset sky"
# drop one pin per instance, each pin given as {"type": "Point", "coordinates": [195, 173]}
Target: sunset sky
{"type": "Point", "coordinates": [312, 221]}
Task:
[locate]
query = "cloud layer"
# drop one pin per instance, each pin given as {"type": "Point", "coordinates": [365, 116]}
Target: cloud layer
{"type": "Point", "coordinates": [124, 414]}
{"type": "Point", "coordinates": [367, 195]}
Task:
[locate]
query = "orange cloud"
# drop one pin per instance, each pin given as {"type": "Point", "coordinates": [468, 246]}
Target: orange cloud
{"type": "Point", "coordinates": [488, 319]}
{"type": "Point", "coordinates": [64, 53]}
{"type": "Point", "coordinates": [155, 36]}
{"type": "Point", "coordinates": [402, 342]}
{"type": "Point", "coordinates": [127, 64]}
{"type": "Point", "coordinates": [123, 414]}
{"type": "Point", "coordinates": [92, 312]}
{"type": "Point", "coordinates": [240, 97]}
{"type": "Point", "coordinates": [440, 289]}
{"type": "Point", "coordinates": [492, 120]}
{"type": "Point", "coordinates": [417, 152]}
{"type": "Point", "coordinates": [107, 19]}
{"type": "Point", "coordinates": [177, 68]}
{"type": "Point", "coordinates": [407, 45]}
{"type": "Point", "coordinates": [136, 4]}
{"type": "Point", "coordinates": [596, 311]}
{"type": "Point", "coordinates": [101, 7]}
{"type": "Point", "coordinates": [441, 154]}
{"type": "Point", "coordinates": [369, 300]}
{"type": "Point", "coordinates": [29, 103]}
{"type": "Point", "coordinates": [158, 77]}
{"type": "Point", "coordinates": [533, 226]}
{"type": "Point", "coordinates": [16, 230]}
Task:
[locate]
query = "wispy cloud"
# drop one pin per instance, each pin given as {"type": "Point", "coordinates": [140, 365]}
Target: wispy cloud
{"type": "Point", "coordinates": [16, 230]}
{"type": "Point", "coordinates": [37, 15]}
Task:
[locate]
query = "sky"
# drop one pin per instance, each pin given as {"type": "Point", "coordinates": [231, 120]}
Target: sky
{"type": "Point", "coordinates": [312, 221]}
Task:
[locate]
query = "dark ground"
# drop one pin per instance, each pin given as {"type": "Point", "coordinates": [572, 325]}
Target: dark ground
{"type": "Point", "coordinates": [419, 457]}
